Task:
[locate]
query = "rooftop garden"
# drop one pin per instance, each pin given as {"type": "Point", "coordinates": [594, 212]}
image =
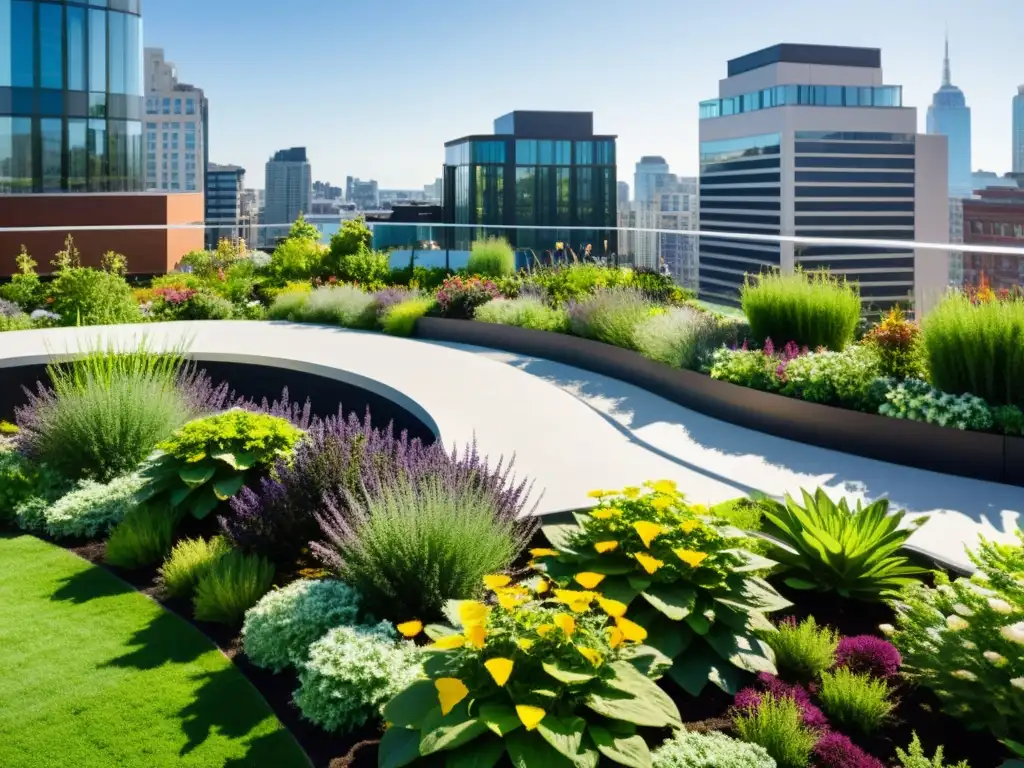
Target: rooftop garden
{"type": "Point", "coordinates": [397, 604]}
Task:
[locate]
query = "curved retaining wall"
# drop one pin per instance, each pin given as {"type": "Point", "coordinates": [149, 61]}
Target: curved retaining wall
{"type": "Point", "coordinates": [977, 455]}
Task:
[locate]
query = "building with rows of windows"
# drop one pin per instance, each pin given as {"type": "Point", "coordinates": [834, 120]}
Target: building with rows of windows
{"type": "Point", "coordinates": [176, 128]}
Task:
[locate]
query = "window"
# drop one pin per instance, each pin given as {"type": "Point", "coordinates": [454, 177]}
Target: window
{"type": "Point", "coordinates": [584, 153]}
{"type": "Point", "coordinates": [51, 46]}
{"type": "Point", "coordinates": [190, 106]}
{"type": "Point", "coordinates": [23, 51]}
{"type": "Point", "coordinates": [76, 48]}
{"type": "Point", "coordinates": [132, 55]}
{"type": "Point", "coordinates": [50, 134]}
{"type": "Point", "coordinates": [526, 152]}
{"type": "Point", "coordinates": [177, 106]}
{"type": "Point", "coordinates": [563, 153]}
{"type": "Point", "coordinates": [96, 141]}
{"type": "Point", "coordinates": [152, 107]}
{"type": "Point", "coordinates": [166, 106]}
{"type": "Point", "coordinates": [118, 47]}
{"type": "Point", "coordinates": [605, 152]}
{"type": "Point", "coordinates": [546, 152]}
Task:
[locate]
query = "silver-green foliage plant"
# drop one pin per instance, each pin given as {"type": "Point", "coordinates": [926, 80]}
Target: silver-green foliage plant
{"type": "Point", "coordinates": [917, 400]}
{"type": "Point", "coordinates": [142, 538]}
{"type": "Point", "coordinates": [93, 508]}
{"type": "Point", "coordinates": [288, 305]}
{"type": "Point", "coordinates": [344, 305]}
{"type": "Point", "coordinates": [854, 552]}
{"type": "Point", "coordinates": [232, 584]}
{"type": "Point", "coordinates": [682, 337]}
{"type": "Point", "coordinates": [610, 315]}
{"type": "Point", "coordinates": [351, 673]}
{"type": "Point", "coordinates": [281, 627]}
{"type": "Point", "coordinates": [855, 701]}
{"type": "Point", "coordinates": [915, 757]}
{"type": "Point", "coordinates": [964, 640]}
{"type": "Point", "coordinates": [492, 257]}
{"type": "Point", "coordinates": [188, 563]}
{"type": "Point", "coordinates": [687, 749]}
{"type": "Point", "coordinates": [803, 651]}
{"type": "Point", "coordinates": [525, 312]}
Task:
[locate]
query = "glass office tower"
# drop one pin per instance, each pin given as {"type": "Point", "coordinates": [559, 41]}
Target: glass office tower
{"type": "Point", "coordinates": [71, 96]}
{"type": "Point", "coordinates": [950, 116]}
{"type": "Point", "coordinates": [538, 169]}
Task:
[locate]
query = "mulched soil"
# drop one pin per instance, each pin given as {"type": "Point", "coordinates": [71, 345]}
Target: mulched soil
{"type": "Point", "coordinates": [918, 710]}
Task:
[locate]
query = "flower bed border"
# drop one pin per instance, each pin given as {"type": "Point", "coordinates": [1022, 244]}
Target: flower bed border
{"type": "Point", "coordinates": [978, 455]}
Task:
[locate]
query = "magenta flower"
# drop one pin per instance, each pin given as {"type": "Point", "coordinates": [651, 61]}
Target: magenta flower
{"type": "Point", "coordinates": [869, 654]}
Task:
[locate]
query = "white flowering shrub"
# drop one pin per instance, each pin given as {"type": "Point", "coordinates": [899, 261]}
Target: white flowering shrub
{"type": "Point", "coordinates": [279, 629]}
{"type": "Point", "coordinates": [917, 400]}
{"type": "Point", "coordinates": [92, 509]}
{"type": "Point", "coordinates": [709, 750]}
{"type": "Point", "coordinates": [833, 378]}
{"type": "Point", "coordinates": [964, 639]}
{"type": "Point", "coordinates": [352, 672]}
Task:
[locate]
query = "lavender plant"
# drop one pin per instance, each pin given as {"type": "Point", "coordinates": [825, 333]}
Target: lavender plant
{"type": "Point", "coordinates": [610, 315]}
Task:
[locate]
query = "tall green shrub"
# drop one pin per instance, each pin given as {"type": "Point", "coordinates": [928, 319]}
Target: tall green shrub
{"type": "Point", "coordinates": [977, 348]}
{"type": "Point", "coordinates": [492, 257]}
{"type": "Point", "coordinates": [812, 309]}
{"type": "Point", "coordinates": [85, 296]}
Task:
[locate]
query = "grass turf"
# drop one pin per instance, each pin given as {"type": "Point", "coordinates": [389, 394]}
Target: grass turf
{"type": "Point", "coordinates": [95, 675]}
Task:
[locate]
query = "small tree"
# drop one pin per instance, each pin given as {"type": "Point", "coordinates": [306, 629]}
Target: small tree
{"type": "Point", "coordinates": [68, 258]}
{"type": "Point", "coordinates": [303, 230]}
{"type": "Point", "coordinates": [114, 263]}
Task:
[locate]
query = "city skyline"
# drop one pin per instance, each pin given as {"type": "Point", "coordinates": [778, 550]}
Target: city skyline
{"type": "Point", "coordinates": [642, 72]}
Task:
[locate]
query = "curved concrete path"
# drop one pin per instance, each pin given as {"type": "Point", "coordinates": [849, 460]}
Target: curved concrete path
{"type": "Point", "coordinates": [571, 430]}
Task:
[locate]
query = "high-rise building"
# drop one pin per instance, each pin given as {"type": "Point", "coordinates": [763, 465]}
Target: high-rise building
{"type": "Point", "coordinates": [650, 172]}
{"type": "Point", "coordinates": [950, 116]}
{"type": "Point", "coordinates": [289, 191]}
{"type": "Point", "coordinates": [71, 88]}
{"type": "Point", "coordinates": [676, 207]}
{"type": "Point", "coordinates": [807, 140]}
{"type": "Point", "coordinates": [994, 217]}
{"type": "Point", "coordinates": [176, 123]}
{"type": "Point", "coordinates": [324, 190]}
{"type": "Point", "coordinates": [365, 194]}
{"type": "Point", "coordinates": [1018, 131]}
{"type": "Point", "coordinates": [622, 196]}
{"type": "Point", "coordinates": [538, 169]}
{"type": "Point", "coordinates": [224, 213]}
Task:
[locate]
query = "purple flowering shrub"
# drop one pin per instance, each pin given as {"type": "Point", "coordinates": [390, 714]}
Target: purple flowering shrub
{"type": "Point", "coordinates": [870, 655]}
{"type": "Point", "coordinates": [388, 297]}
{"type": "Point", "coordinates": [770, 685]}
{"type": "Point", "coordinates": [458, 297]}
{"type": "Point", "coordinates": [834, 750]}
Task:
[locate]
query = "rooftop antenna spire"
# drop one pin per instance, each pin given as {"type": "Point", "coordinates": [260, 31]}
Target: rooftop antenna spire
{"type": "Point", "coordinates": [946, 79]}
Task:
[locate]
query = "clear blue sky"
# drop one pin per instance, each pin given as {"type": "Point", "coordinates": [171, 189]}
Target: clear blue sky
{"type": "Point", "coordinates": [374, 88]}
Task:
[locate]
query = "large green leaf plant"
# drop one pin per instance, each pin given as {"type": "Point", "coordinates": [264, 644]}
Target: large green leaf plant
{"type": "Point", "coordinates": [683, 575]}
{"type": "Point", "coordinates": [207, 461]}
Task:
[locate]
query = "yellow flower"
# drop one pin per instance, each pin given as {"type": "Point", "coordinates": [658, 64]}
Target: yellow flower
{"type": "Point", "coordinates": [546, 629]}
{"type": "Point", "coordinates": [698, 509]}
{"type": "Point", "coordinates": [631, 630]}
{"type": "Point", "coordinates": [496, 581]}
{"type": "Point", "coordinates": [599, 494]}
{"type": "Point", "coordinates": [606, 546]}
{"type": "Point", "coordinates": [606, 514]}
{"type": "Point", "coordinates": [449, 642]}
{"type": "Point", "coordinates": [615, 636]}
{"type": "Point", "coordinates": [450, 691]}
{"type": "Point", "coordinates": [566, 623]}
{"type": "Point", "coordinates": [612, 607]}
{"type": "Point", "coordinates": [648, 531]}
{"type": "Point", "coordinates": [530, 716]}
{"type": "Point", "coordinates": [509, 599]}
{"type": "Point", "coordinates": [661, 503]}
{"type": "Point", "coordinates": [542, 587]}
{"type": "Point", "coordinates": [630, 491]}
{"type": "Point", "coordinates": [665, 486]}
{"type": "Point", "coordinates": [689, 526]}
{"type": "Point", "coordinates": [691, 558]}
{"type": "Point", "coordinates": [475, 634]}
{"type": "Point", "coordinates": [473, 612]}
{"type": "Point", "coordinates": [525, 644]}
{"type": "Point", "coordinates": [591, 655]}
{"type": "Point", "coordinates": [650, 564]}
{"type": "Point", "coordinates": [544, 552]}
{"type": "Point", "coordinates": [500, 669]}
{"type": "Point", "coordinates": [410, 628]}
{"type": "Point", "coordinates": [588, 580]}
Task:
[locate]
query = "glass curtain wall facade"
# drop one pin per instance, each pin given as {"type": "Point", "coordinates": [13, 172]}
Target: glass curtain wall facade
{"type": "Point", "coordinates": [71, 96]}
{"type": "Point", "coordinates": [1018, 131]}
{"type": "Point", "coordinates": [533, 183]}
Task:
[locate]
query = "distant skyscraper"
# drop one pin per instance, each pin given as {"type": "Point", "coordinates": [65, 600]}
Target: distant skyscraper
{"type": "Point", "coordinates": [806, 140]}
{"type": "Point", "coordinates": [365, 194]}
{"type": "Point", "coordinates": [289, 190]}
{"type": "Point", "coordinates": [623, 193]}
{"type": "Point", "coordinates": [224, 185]}
{"type": "Point", "coordinates": [649, 172]}
{"type": "Point", "coordinates": [176, 127]}
{"type": "Point", "coordinates": [1018, 131]}
{"type": "Point", "coordinates": [950, 116]}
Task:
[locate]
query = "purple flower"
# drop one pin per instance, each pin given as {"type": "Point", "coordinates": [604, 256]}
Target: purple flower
{"type": "Point", "coordinates": [834, 750]}
{"type": "Point", "coordinates": [769, 348]}
{"type": "Point", "coordinates": [388, 297]}
{"type": "Point", "coordinates": [750, 698]}
{"type": "Point", "coordinates": [869, 654]}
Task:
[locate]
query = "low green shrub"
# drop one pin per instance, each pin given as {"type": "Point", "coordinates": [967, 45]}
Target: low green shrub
{"type": "Point", "coordinates": [917, 400]}
{"type": "Point", "coordinates": [142, 538]}
{"type": "Point", "coordinates": [803, 651]}
{"type": "Point", "coordinates": [281, 627]}
{"type": "Point", "coordinates": [25, 288]}
{"type": "Point", "coordinates": [659, 287]}
{"type": "Point", "coordinates": [207, 461]}
{"type": "Point", "coordinates": [777, 726]}
{"type": "Point", "coordinates": [93, 508]}
{"type": "Point", "coordinates": [289, 305]}
{"type": "Point", "coordinates": [27, 489]}
{"type": "Point", "coordinates": [1008, 420]}
{"type": "Point", "coordinates": [813, 309]}
{"type": "Point", "coordinates": [297, 258]}
{"type": "Point", "coordinates": [688, 749]}
{"type": "Point", "coordinates": [400, 319]}
{"type": "Point", "coordinates": [855, 701]}
{"type": "Point", "coordinates": [16, 322]}
{"type": "Point", "coordinates": [745, 513]}
{"type": "Point", "coordinates": [230, 586]}
{"type": "Point", "coordinates": [682, 337]}
{"type": "Point", "coordinates": [915, 757]}
{"type": "Point", "coordinates": [977, 348]}
{"type": "Point", "coordinates": [492, 257]}
{"type": "Point", "coordinates": [611, 316]}
{"type": "Point", "coordinates": [575, 282]}
{"type": "Point", "coordinates": [746, 368]}
{"type": "Point", "coordinates": [367, 267]}
{"type": "Point", "coordinates": [351, 673]}
{"type": "Point", "coordinates": [523, 313]}
{"type": "Point", "coordinates": [344, 305]}
{"type": "Point", "coordinates": [188, 562]}
{"type": "Point", "coordinates": [845, 379]}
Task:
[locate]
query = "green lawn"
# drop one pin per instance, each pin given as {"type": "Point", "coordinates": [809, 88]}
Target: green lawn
{"type": "Point", "coordinates": [95, 675]}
